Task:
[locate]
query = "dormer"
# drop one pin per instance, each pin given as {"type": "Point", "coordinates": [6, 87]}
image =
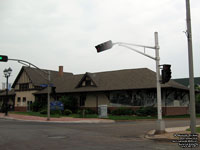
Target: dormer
{"type": "Point", "coordinates": [86, 81]}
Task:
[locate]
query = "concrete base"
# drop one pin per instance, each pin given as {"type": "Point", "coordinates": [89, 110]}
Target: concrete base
{"type": "Point", "coordinates": [160, 127]}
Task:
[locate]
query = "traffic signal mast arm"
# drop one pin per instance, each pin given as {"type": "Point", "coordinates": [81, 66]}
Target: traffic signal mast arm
{"type": "Point", "coordinates": [48, 79]}
{"type": "Point", "coordinates": [26, 63]}
{"type": "Point", "coordinates": [125, 45]}
{"type": "Point", "coordinates": [108, 45]}
{"type": "Point", "coordinates": [122, 43]}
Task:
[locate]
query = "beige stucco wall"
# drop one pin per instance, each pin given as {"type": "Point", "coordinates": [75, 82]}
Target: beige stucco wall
{"type": "Point", "coordinates": [91, 100]}
{"type": "Point", "coordinates": [27, 94]}
{"type": "Point", "coordinates": [23, 79]}
{"type": "Point", "coordinates": [29, 97]}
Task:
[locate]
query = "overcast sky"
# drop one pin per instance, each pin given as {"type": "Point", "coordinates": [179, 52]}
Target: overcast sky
{"type": "Point", "coordinates": [49, 33]}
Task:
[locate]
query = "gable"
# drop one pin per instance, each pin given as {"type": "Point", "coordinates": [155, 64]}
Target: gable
{"type": "Point", "coordinates": [21, 77]}
{"type": "Point", "coordinates": [86, 81]}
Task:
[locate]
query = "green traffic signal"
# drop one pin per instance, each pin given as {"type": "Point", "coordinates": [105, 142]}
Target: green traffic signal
{"type": "Point", "coordinates": [3, 58]}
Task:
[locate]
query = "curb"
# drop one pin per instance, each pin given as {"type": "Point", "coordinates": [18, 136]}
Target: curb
{"type": "Point", "coordinates": [152, 136]}
{"type": "Point", "coordinates": [166, 136]}
{"type": "Point", "coordinates": [79, 121]}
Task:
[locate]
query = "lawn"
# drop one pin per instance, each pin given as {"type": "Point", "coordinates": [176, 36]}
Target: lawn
{"type": "Point", "coordinates": [35, 114]}
{"type": "Point", "coordinates": [197, 129]}
{"type": "Point", "coordinates": [112, 117]}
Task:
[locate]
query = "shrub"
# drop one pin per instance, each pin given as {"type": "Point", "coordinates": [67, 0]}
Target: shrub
{"type": "Point", "coordinates": [55, 112]}
{"type": "Point", "coordinates": [122, 111]}
{"type": "Point", "coordinates": [197, 103]}
{"type": "Point", "coordinates": [52, 112]}
{"type": "Point", "coordinates": [44, 111]}
{"type": "Point", "coordinates": [146, 111]}
{"type": "Point", "coordinates": [67, 112]}
{"type": "Point", "coordinates": [82, 111]}
{"type": "Point", "coordinates": [86, 111]}
{"type": "Point", "coordinates": [38, 106]}
{"type": "Point", "coordinates": [70, 102]}
{"type": "Point", "coordinates": [90, 111]}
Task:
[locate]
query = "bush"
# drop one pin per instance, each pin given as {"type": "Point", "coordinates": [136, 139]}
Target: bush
{"type": "Point", "coordinates": [90, 111]}
{"type": "Point", "coordinates": [146, 111]}
{"type": "Point", "coordinates": [86, 111]}
{"type": "Point", "coordinates": [82, 111]}
{"type": "Point", "coordinates": [122, 111]}
{"type": "Point", "coordinates": [70, 102]}
{"type": "Point", "coordinates": [38, 106]}
{"type": "Point", "coordinates": [52, 112]}
{"type": "Point", "coordinates": [197, 103]}
{"type": "Point", "coordinates": [44, 112]}
{"type": "Point", "coordinates": [67, 112]}
{"type": "Point", "coordinates": [56, 112]}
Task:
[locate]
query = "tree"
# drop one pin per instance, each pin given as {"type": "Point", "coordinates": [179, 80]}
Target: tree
{"type": "Point", "coordinates": [197, 88]}
{"type": "Point", "coordinates": [70, 102]}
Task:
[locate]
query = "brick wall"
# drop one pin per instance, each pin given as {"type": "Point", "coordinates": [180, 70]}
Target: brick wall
{"type": "Point", "coordinates": [22, 109]}
{"type": "Point", "coordinates": [171, 111]}
{"type": "Point", "coordinates": [167, 111]}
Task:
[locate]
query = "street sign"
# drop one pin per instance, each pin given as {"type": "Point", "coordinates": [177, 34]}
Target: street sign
{"type": "Point", "coordinates": [46, 85]}
{"type": "Point", "coordinates": [56, 105]}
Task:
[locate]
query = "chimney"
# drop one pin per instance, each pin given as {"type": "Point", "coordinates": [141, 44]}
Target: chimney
{"type": "Point", "coordinates": [60, 71]}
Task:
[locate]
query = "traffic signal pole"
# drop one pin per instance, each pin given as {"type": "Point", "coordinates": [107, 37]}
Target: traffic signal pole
{"type": "Point", "coordinates": [160, 125]}
{"type": "Point", "coordinates": [26, 63]}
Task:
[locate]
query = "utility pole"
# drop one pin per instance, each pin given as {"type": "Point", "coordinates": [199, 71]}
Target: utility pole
{"type": "Point", "coordinates": [191, 72]}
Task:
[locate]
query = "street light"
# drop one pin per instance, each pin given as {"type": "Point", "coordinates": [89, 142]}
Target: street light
{"type": "Point", "coordinates": [107, 45]}
{"type": "Point", "coordinates": [7, 73]}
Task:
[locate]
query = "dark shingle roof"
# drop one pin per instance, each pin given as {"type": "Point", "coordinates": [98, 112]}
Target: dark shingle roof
{"type": "Point", "coordinates": [112, 80]}
{"type": "Point", "coordinates": [11, 92]}
{"type": "Point", "coordinates": [37, 77]}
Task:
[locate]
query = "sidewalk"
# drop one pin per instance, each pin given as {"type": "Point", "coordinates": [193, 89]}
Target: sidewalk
{"type": "Point", "coordinates": [170, 135]}
{"type": "Point", "coordinates": [56, 120]}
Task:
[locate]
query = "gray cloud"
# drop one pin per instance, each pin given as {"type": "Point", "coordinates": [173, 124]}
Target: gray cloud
{"type": "Point", "coordinates": [50, 33]}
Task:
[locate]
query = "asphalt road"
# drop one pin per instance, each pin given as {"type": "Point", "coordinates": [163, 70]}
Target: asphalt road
{"type": "Point", "coordinates": [20, 135]}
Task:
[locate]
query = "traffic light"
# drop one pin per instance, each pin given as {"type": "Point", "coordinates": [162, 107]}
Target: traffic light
{"type": "Point", "coordinates": [104, 46]}
{"type": "Point", "coordinates": [166, 73]}
{"type": "Point", "coordinates": [3, 58]}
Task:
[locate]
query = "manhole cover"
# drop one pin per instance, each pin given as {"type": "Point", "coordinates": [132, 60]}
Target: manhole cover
{"type": "Point", "coordinates": [132, 138]}
{"type": "Point", "coordinates": [56, 136]}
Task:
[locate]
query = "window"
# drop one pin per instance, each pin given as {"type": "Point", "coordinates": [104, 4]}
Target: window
{"type": "Point", "coordinates": [83, 83]}
{"type": "Point", "coordinates": [24, 87]}
{"type": "Point", "coordinates": [88, 82]}
{"type": "Point", "coordinates": [18, 99]}
{"type": "Point", "coordinates": [24, 99]}
{"type": "Point", "coordinates": [38, 87]}
{"type": "Point", "coordinates": [82, 100]}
